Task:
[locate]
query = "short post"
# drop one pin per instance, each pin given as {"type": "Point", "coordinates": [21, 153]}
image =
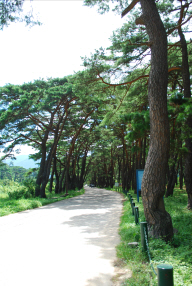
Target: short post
{"type": "Point", "coordinates": [165, 275]}
{"type": "Point", "coordinates": [136, 212]}
{"type": "Point", "coordinates": [143, 229]}
{"type": "Point", "coordinates": [133, 205]}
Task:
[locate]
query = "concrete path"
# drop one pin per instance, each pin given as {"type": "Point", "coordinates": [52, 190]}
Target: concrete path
{"type": "Point", "coordinates": [68, 243]}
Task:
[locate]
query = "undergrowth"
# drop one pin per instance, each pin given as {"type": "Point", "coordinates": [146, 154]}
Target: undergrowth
{"type": "Point", "coordinates": [178, 253]}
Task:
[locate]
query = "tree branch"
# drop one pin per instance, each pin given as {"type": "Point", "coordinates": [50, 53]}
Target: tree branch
{"type": "Point", "coordinates": [32, 140]}
{"type": "Point", "coordinates": [178, 26]}
{"type": "Point", "coordinates": [129, 8]}
{"type": "Point", "coordinates": [174, 69]}
{"type": "Point", "coordinates": [124, 83]}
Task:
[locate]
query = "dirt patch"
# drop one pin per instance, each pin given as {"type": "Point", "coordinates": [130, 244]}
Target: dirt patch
{"type": "Point", "coordinates": [122, 272]}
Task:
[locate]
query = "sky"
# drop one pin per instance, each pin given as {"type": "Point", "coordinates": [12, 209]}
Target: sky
{"type": "Point", "coordinates": [68, 32]}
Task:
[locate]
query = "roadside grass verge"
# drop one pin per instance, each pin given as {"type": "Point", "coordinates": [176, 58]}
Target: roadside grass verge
{"type": "Point", "coordinates": [178, 253]}
{"type": "Point", "coordinates": [9, 204]}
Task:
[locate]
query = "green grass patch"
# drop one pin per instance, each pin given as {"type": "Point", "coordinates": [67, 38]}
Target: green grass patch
{"type": "Point", "coordinates": [178, 254]}
{"type": "Point", "coordinates": [15, 198]}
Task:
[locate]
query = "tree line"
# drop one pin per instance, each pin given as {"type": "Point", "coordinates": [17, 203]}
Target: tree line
{"type": "Point", "coordinates": [15, 173]}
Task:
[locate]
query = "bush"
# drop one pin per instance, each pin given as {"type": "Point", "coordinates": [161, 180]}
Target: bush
{"type": "Point", "coordinates": [27, 191]}
{"type": "Point", "coordinates": [16, 195]}
{"type": "Point", "coordinates": [30, 185]}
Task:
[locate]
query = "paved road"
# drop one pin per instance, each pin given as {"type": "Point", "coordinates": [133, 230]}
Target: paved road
{"type": "Point", "coordinates": [68, 243]}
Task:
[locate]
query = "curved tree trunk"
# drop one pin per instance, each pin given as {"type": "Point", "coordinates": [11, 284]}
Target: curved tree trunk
{"type": "Point", "coordinates": [154, 177]}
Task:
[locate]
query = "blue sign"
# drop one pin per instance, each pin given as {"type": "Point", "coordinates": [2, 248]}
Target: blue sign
{"type": "Point", "coordinates": [139, 177]}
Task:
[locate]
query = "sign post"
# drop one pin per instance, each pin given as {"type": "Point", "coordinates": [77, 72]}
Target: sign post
{"type": "Point", "coordinates": [139, 177]}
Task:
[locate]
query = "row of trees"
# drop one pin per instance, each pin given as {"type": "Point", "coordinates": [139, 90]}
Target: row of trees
{"type": "Point", "coordinates": [49, 116]}
{"type": "Point", "coordinates": [146, 34]}
{"type": "Point", "coordinates": [119, 114]}
{"type": "Point", "coordinates": [14, 173]}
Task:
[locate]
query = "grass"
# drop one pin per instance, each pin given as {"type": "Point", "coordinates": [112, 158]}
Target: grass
{"type": "Point", "coordinates": [178, 253]}
{"type": "Point", "coordinates": [10, 206]}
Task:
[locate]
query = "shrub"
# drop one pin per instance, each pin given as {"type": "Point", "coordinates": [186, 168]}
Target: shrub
{"type": "Point", "coordinates": [26, 191]}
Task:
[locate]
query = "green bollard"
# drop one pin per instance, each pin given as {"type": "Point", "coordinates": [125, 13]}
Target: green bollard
{"type": "Point", "coordinates": [129, 197]}
{"type": "Point", "coordinates": [165, 275]}
{"type": "Point", "coordinates": [133, 205]}
{"type": "Point", "coordinates": [136, 212]}
{"type": "Point", "coordinates": [143, 229]}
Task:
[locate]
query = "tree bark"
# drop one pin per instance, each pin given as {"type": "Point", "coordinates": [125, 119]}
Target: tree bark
{"type": "Point", "coordinates": [188, 141]}
{"type": "Point", "coordinates": [154, 177]}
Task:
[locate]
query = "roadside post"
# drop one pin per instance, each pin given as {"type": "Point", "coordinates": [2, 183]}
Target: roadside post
{"type": "Point", "coordinates": [144, 235]}
{"type": "Point", "coordinates": [165, 275]}
{"type": "Point", "coordinates": [136, 212]}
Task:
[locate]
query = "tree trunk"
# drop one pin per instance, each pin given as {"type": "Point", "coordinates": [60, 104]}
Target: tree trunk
{"type": "Point", "coordinates": [144, 153]}
{"type": "Point", "coordinates": [133, 175]}
{"type": "Point", "coordinates": [41, 169]}
{"type": "Point", "coordinates": [51, 180]}
{"type": "Point", "coordinates": [43, 158]}
{"type": "Point", "coordinates": [188, 141]}
{"type": "Point", "coordinates": [81, 180]}
{"type": "Point", "coordinates": [181, 173]}
{"type": "Point", "coordinates": [172, 178]}
{"type": "Point", "coordinates": [154, 177]}
{"type": "Point", "coordinates": [123, 168]}
{"type": "Point", "coordinates": [46, 173]}
{"type": "Point", "coordinates": [56, 175]}
{"type": "Point", "coordinates": [61, 180]}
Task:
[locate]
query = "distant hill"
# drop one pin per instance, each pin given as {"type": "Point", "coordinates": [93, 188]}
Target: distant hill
{"type": "Point", "coordinates": [22, 161]}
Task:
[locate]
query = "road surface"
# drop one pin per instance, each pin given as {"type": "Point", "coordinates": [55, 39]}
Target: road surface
{"type": "Point", "coordinates": [68, 243]}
